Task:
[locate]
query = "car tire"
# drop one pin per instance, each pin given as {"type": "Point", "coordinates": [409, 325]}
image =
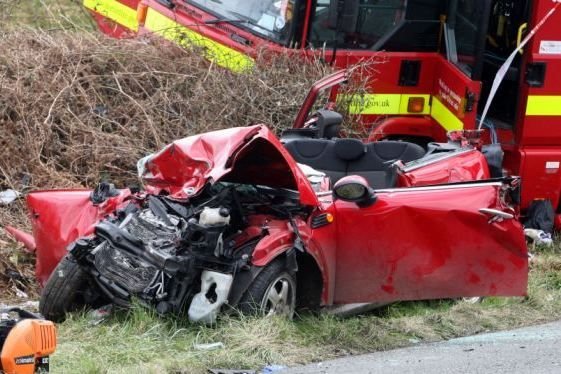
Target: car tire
{"type": "Point", "coordinates": [273, 292]}
{"type": "Point", "coordinates": [66, 290]}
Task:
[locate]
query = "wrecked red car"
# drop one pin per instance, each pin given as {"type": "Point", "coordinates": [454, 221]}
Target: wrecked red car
{"type": "Point", "coordinates": [236, 218]}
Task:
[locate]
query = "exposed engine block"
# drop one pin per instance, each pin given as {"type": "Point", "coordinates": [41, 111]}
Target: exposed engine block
{"type": "Point", "coordinates": [135, 274]}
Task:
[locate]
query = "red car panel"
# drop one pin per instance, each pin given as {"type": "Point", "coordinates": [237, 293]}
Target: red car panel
{"type": "Point", "coordinates": [453, 167]}
{"type": "Point", "coordinates": [426, 243]}
{"type": "Point", "coordinates": [59, 218]}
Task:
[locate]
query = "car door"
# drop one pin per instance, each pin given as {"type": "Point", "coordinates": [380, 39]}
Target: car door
{"type": "Point", "coordinates": [428, 243]}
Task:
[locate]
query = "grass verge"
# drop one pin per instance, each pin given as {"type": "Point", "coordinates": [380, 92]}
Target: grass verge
{"type": "Point", "coordinates": [44, 14]}
{"type": "Point", "coordinates": [143, 342]}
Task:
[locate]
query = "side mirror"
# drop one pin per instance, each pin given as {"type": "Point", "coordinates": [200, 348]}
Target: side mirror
{"type": "Point", "coordinates": [343, 15]}
{"type": "Point", "coordinates": [354, 188]}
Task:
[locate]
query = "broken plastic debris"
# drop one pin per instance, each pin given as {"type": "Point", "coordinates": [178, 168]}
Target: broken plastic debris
{"type": "Point", "coordinates": [20, 293]}
{"type": "Point", "coordinates": [472, 300]}
{"type": "Point", "coordinates": [100, 110]}
{"type": "Point", "coordinates": [269, 369]}
{"type": "Point", "coordinates": [208, 346]}
{"type": "Point", "coordinates": [539, 236]}
{"type": "Point", "coordinates": [31, 305]}
{"type": "Point", "coordinates": [203, 309]}
{"type": "Point", "coordinates": [100, 314]}
{"type": "Point", "coordinates": [8, 196]}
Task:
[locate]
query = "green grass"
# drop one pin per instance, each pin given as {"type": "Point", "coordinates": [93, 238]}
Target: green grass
{"type": "Point", "coordinates": [43, 14]}
{"type": "Point", "coordinates": [141, 341]}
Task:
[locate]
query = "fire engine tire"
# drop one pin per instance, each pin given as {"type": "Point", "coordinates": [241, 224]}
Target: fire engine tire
{"type": "Point", "coordinates": [64, 291]}
{"type": "Point", "coordinates": [273, 292]}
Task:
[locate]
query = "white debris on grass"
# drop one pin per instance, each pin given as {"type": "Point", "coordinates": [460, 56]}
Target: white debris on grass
{"type": "Point", "coordinates": [8, 196]}
{"type": "Point", "coordinates": [208, 346]}
{"type": "Point", "coordinates": [539, 237]}
{"type": "Point", "coordinates": [30, 305]}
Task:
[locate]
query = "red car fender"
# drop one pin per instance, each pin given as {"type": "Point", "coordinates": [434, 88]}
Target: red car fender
{"type": "Point", "coordinates": [281, 239]}
{"type": "Point", "coordinates": [61, 216]}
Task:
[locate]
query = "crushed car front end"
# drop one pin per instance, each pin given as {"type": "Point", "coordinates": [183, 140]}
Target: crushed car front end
{"type": "Point", "coordinates": [218, 210]}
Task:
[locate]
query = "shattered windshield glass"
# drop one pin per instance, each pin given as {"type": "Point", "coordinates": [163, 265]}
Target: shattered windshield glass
{"type": "Point", "coordinates": [269, 18]}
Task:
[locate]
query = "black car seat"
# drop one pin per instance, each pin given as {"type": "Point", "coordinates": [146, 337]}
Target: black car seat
{"type": "Point", "coordinates": [341, 157]}
{"type": "Point", "coordinates": [375, 165]}
{"type": "Point", "coordinates": [318, 154]}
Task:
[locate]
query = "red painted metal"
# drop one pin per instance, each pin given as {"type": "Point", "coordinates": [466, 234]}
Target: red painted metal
{"type": "Point", "coordinates": [537, 139]}
{"type": "Point", "coordinates": [427, 243]}
{"type": "Point", "coordinates": [412, 243]}
{"type": "Point", "coordinates": [451, 87]}
{"type": "Point", "coordinates": [411, 126]}
{"type": "Point", "coordinates": [185, 166]}
{"type": "Point", "coordinates": [111, 28]}
{"type": "Point", "coordinates": [130, 3]}
{"type": "Point", "coordinates": [323, 84]}
{"type": "Point", "coordinates": [542, 182]}
{"type": "Point", "coordinates": [26, 239]}
{"type": "Point", "coordinates": [382, 69]}
{"type": "Point", "coordinates": [464, 167]}
{"type": "Point", "coordinates": [60, 217]}
{"type": "Point", "coordinates": [304, 39]}
{"type": "Point", "coordinates": [279, 240]}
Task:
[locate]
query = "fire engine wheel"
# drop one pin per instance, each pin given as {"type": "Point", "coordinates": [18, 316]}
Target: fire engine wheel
{"type": "Point", "coordinates": [273, 292]}
{"type": "Point", "coordinates": [68, 289]}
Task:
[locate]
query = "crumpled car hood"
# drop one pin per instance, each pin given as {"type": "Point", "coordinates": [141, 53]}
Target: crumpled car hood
{"type": "Point", "coordinates": [251, 155]}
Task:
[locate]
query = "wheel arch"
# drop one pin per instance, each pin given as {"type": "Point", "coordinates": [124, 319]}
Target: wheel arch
{"type": "Point", "coordinates": [310, 279]}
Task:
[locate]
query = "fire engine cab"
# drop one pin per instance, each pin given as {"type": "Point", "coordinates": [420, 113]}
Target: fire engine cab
{"type": "Point", "coordinates": [440, 58]}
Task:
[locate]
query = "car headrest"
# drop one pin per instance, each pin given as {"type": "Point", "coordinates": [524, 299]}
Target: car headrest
{"type": "Point", "coordinates": [307, 148]}
{"type": "Point", "coordinates": [328, 123]}
{"type": "Point", "coordinates": [349, 149]}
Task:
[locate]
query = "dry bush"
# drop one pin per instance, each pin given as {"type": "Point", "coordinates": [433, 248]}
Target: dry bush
{"type": "Point", "coordinates": [75, 109]}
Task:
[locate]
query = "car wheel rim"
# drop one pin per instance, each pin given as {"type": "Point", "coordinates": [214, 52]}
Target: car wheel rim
{"type": "Point", "coordinates": [279, 298]}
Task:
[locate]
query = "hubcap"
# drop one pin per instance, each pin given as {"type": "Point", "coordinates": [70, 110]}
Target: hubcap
{"type": "Point", "coordinates": [279, 298]}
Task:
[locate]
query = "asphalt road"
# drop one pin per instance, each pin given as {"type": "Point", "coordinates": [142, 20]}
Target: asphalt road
{"type": "Point", "coordinates": [535, 349]}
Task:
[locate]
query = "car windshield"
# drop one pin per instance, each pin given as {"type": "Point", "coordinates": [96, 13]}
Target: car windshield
{"type": "Point", "coordinates": [269, 18]}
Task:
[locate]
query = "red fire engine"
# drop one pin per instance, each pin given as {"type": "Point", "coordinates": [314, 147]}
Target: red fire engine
{"type": "Point", "coordinates": [441, 59]}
